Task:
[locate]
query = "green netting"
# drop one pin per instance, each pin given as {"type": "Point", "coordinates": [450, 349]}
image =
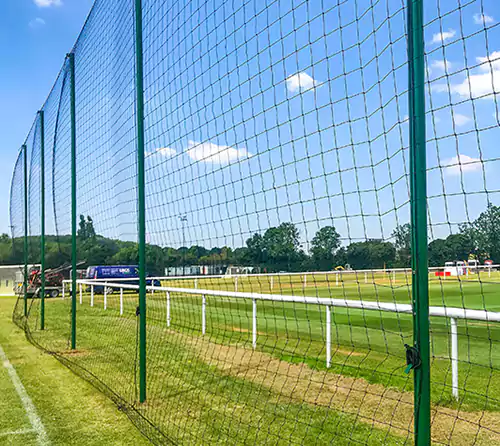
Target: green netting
{"type": "Point", "coordinates": [17, 218]}
{"type": "Point", "coordinates": [279, 243]}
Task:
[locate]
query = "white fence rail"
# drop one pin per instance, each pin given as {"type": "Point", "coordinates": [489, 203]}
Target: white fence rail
{"type": "Point", "coordinates": [447, 312]}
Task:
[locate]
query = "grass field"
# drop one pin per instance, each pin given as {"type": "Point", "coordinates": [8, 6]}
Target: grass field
{"type": "Point", "coordinates": [71, 410]}
{"type": "Point", "coordinates": [217, 387]}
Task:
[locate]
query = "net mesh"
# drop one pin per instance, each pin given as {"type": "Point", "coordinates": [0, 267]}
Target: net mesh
{"type": "Point", "coordinates": [277, 215]}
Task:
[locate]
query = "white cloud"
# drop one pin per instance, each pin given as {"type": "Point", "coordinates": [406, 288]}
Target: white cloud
{"type": "Point", "coordinates": [37, 23]}
{"type": "Point", "coordinates": [441, 65]}
{"type": "Point", "coordinates": [483, 19]}
{"type": "Point", "coordinates": [483, 84]}
{"type": "Point", "coordinates": [301, 82]}
{"type": "Point", "coordinates": [212, 153]}
{"type": "Point", "coordinates": [47, 3]}
{"type": "Point", "coordinates": [462, 164]}
{"type": "Point", "coordinates": [491, 62]}
{"type": "Point", "coordinates": [441, 37]}
{"type": "Point", "coordinates": [167, 152]}
{"type": "Point", "coordinates": [460, 120]}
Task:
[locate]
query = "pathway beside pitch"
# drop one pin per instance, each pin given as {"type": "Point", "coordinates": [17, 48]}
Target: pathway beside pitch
{"type": "Point", "coordinates": [35, 421]}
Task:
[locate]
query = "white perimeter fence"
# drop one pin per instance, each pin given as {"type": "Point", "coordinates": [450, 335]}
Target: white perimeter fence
{"type": "Point", "coordinates": [446, 312]}
{"type": "Point", "coordinates": [360, 276]}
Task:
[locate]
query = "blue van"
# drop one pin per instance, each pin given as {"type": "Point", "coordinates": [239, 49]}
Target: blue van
{"type": "Point", "coordinates": [115, 273]}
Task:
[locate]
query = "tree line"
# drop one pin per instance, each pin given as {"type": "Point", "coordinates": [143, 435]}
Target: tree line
{"type": "Point", "coordinates": [276, 249]}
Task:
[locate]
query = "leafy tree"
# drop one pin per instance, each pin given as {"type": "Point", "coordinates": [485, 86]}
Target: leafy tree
{"type": "Point", "coordinates": [371, 254]}
{"type": "Point", "coordinates": [402, 243]}
{"type": "Point", "coordinates": [86, 228]}
{"type": "Point", "coordinates": [82, 229]}
{"type": "Point", "coordinates": [89, 226]}
{"type": "Point", "coordinates": [459, 246]}
{"type": "Point", "coordinates": [323, 247]}
{"type": "Point", "coordinates": [484, 233]}
{"type": "Point", "coordinates": [454, 247]}
{"type": "Point", "coordinates": [340, 258]}
{"type": "Point", "coordinates": [280, 246]}
{"type": "Point", "coordinates": [438, 252]}
{"type": "Point", "coordinates": [255, 249]}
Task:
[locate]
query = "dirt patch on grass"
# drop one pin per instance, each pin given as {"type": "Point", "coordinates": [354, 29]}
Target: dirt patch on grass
{"type": "Point", "coordinates": [246, 330]}
{"type": "Point", "coordinates": [348, 352]}
{"type": "Point", "coordinates": [386, 408]}
{"type": "Point", "coordinates": [75, 353]}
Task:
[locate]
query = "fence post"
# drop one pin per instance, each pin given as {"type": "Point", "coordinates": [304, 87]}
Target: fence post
{"type": "Point", "coordinates": [418, 201]}
{"type": "Point", "coordinates": [71, 57]}
{"type": "Point", "coordinates": [91, 295]}
{"type": "Point", "coordinates": [254, 323]}
{"type": "Point", "coordinates": [139, 91]}
{"type": "Point", "coordinates": [454, 357]}
{"type": "Point", "coordinates": [328, 337]}
{"type": "Point", "coordinates": [203, 314]}
{"type": "Point", "coordinates": [25, 284]}
{"type": "Point", "coordinates": [168, 308]}
{"type": "Point", "coordinates": [42, 218]}
{"type": "Point", "coordinates": [105, 296]}
{"type": "Point", "coordinates": [81, 293]}
{"type": "Point", "coordinates": [121, 301]}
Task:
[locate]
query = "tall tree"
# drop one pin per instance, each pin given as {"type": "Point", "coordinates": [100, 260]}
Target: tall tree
{"type": "Point", "coordinates": [323, 247]}
{"type": "Point", "coordinates": [402, 243]}
{"type": "Point", "coordinates": [484, 233]}
{"type": "Point", "coordinates": [82, 229]}
{"type": "Point", "coordinates": [255, 247]}
{"type": "Point", "coordinates": [89, 227]}
{"type": "Point", "coordinates": [371, 254]}
{"type": "Point", "coordinates": [281, 247]}
{"type": "Point", "coordinates": [438, 252]}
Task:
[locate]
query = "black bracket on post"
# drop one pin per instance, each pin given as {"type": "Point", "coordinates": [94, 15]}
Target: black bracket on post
{"type": "Point", "coordinates": [413, 360]}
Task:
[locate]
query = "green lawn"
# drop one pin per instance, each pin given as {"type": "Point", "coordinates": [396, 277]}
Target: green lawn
{"type": "Point", "coordinates": [216, 387]}
{"type": "Point", "coordinates": [72, 411]}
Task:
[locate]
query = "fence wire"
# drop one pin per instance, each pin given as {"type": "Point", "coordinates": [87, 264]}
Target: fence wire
{"type": "Point", "coordinates": [277, 163]}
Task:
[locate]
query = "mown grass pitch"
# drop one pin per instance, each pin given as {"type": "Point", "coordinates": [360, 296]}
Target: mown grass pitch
{"type": "Point", "coordinates": [72, 411]}
{"type": "Point", "coordinates": [216, 386]}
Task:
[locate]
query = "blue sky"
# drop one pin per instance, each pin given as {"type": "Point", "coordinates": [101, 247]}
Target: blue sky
{"type": "Point", "coordinates": [33, 42]}
{"type": "Point", "coordinates": [261, 112]}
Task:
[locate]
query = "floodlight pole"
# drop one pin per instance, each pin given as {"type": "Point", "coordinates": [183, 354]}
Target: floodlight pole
{"type": "Point", "coordinates": [25, 284]}
{"type": "Point", "coordinates": [42, 216]}
{"type": "Point", "coordinates": [139, 79]}
{"type": "Point", "coordinates": [418, 199]}
{"type": "Point", "coordinates": [71, 58]}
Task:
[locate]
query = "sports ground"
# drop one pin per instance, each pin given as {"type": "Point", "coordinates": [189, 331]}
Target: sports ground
{"type": "Point", "coordinates": [64, 409]}
{"type": "Point", "coordinates": [283, 385]}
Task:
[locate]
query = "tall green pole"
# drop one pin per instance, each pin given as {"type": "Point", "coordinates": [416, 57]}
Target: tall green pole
{"type": "Point", "coordinates": [25, 155]}
{"type": "Point", "coordinates": [71, 57]}
{"type": "Point", "coordinates": [42, 213]}
{"type": "Point", "coordinates": [141, 197]}
{"type": "Point", "coordinates": [420, 284]}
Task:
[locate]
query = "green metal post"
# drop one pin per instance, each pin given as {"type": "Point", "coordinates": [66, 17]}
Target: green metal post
{"type": "Point", "coordinates": [25, 284]}
{"type": "Point", "coordinates": [420, 284]}
{"type": "Point", "coordinates": [141, 198]}
{"type": "Point", "coordinates": [42, 212]}
{"type": "Point", "coordinates": [71, 58]}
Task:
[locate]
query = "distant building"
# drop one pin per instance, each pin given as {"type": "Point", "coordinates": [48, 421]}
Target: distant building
{"type": "Point", "coordinates": [234, 270]}
{"type": "Point", "coordinates": [195, 270]}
